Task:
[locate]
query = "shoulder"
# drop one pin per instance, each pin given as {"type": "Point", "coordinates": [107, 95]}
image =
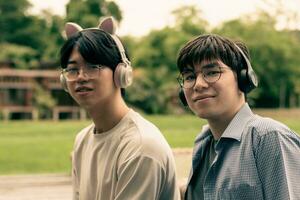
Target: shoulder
{"type": "Point", "coordinates": [81, 135]}
{"type": "Point", "coordinates": [263, 126]}
{"type": "Point", "coordinates": [142, 138]}
{"type": "Point", "coordinates": [266, 133]}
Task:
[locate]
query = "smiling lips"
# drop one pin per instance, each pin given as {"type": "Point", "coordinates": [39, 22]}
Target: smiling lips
{"type": "Point", "coordinates": [202, 97]}
{"type": "Point", "coordinates": [83, 89]}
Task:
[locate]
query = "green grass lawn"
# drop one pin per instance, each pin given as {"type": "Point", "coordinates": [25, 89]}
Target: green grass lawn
{"type": "Point", "coordinates": [45, 146]}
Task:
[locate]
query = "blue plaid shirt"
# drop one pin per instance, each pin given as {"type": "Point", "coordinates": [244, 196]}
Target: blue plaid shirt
{"type": "Point", "coordinates": [257, 158]}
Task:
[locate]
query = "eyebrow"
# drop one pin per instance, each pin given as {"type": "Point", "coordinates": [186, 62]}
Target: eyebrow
{"type": "Point", "coordinates": [211, 65]}
{"type": "Point", "coordinates": [187, 69]}
{"type": "Point", "coordinates": [71, 62]}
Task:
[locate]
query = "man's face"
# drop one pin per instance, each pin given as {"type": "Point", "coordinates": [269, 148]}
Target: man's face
{"type": "Point", "coordinates": [215, 100]}
{"type": "Point", "coordinates": [89, 91]}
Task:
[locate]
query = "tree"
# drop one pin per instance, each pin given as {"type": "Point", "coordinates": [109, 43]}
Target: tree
{"type": "Point", "coordinates": [12, 14]}
{"type": "Point", "coordinates": [17, 27]}
{"type": "Point", "coordinates": [189, 20]}
{"type": "Point", "coordinates": [154, 56]}
{"type": "Point", "coordinates": [28, 38]}
{"type": "Point", "coordinates": [273, 57]}
{"type": "Point", "coordinates": [52, 36]}
{"type": "Point", "coordinates": [21, 56]}
{"type": "Point", "coordinates": [87, 12]}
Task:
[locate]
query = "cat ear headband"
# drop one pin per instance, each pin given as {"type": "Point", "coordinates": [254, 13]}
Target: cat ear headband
{"type": "Point", "coordinates": [123, 71]}
{"type": "Point", "coordinates": [107, 24]}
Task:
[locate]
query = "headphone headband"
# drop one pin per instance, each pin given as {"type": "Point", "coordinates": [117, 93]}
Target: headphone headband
{"type": "Point", "coordinates": [121, 49]}
{"type": "Point", "coordinates": [123, 71]}
{"type": "Point", "coordinates": [247, 78]}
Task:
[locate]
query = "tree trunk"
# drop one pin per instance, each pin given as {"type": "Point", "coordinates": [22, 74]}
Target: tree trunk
{"type": "Point", "coordinates": [282, 93]}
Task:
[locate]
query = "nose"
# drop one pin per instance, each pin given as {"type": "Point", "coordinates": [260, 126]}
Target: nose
{"type": "Point", "coordinates": [82, 75]}
{"type": "Point", "coordinates": [200, 82]}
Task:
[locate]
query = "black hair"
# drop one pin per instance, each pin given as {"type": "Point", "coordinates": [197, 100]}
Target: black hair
{"type": "Point", "coordinates": [212, 47]}
{"type": "Point", "coordinates": [95, 46]}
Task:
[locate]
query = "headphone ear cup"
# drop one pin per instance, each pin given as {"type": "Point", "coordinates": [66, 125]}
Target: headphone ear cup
{"type": "Point", "coordinates": [252, 79]}
{"type": "Point", "coordinates": [182, 98]}
{"type": "Point", "coordinates": [63, 82]}
{"type": "Point", "coordinates": [243, 83]}
{"type": "Point", "coordinates": [123, 75]}
{"type": "Point", "coordinates": [248, 80]}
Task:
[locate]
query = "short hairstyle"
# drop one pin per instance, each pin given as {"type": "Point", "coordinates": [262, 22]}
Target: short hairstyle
{"type": "Point", "coordinates": [210, 47]}
{"type": "Point", "coordinates": [95, 46]}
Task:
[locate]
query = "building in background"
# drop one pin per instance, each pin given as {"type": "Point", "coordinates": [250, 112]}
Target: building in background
{"type": "Point", "coordinates": [34, 94]}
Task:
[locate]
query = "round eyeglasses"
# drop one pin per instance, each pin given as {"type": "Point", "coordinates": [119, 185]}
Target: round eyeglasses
{"type": "Point", "coordinates": [90, 70]}
{"type": "Point", "coordinates": [188, 77]}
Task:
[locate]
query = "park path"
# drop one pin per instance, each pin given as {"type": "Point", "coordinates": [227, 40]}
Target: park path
{"type": "Point", "coordinates": [36, 187]}
{"type": "Point", "coordinates": [58, 186]}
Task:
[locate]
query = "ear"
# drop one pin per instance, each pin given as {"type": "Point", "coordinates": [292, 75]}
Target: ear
{"type": "Point", "coordinates": [71, 29]}
{"type": "Point", "coordinates": [108, 24]}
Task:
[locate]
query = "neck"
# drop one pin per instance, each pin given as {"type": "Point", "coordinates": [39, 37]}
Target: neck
{"type": "Point", "coordinates": [218, 125]}
{"type": "Point", "coordinates": [108, 115]}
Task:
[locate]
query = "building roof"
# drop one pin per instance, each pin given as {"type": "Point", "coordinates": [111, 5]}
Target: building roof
{"type": "Point", "coordinates": [30, 73]}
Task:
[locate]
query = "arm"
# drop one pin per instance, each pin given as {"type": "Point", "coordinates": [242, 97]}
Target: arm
{"type": "Point", "coordinates": [143, 178]}
{"type": "Point", "coordinates": [182, 190]}
{"type": "Point", "coordinates": [278, 165]}
{"type": "Point", "coordinates": [75, 184]}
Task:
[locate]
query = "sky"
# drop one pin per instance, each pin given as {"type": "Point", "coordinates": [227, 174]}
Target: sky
{"type": "Point", "coordinates": [141, 16]}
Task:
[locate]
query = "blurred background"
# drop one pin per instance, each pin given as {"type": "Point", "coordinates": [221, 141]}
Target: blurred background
{"type": "Point", "coordinates": [153, 32]}
{"type": "Point", "coordinates": [38, 120]}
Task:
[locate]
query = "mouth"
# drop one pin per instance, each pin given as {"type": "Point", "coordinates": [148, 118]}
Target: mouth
{"type": "Point", "coordinates": [83, 89]}
{"type": "Point", "coordinates": [202, 98]}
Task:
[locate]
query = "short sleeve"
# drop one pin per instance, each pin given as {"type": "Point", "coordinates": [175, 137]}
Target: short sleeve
{"type": "Point", "coordinates": [143, 178]}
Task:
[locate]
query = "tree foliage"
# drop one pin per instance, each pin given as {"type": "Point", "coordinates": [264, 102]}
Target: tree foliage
{"type": "Point", "coordinates": [273, 58]}
{"type": "Point", "coordinates": [43, 33]}
{"type": "Point", "coordinates": [273, 55]}
{"type": "Point", "coordinates": [155, 54]}
{"type": "Point", "coordinates": [87, 12]}
{"type": "Point", "coordinates": [21, 56]}
{"type": "Point", "coordinates": [28, 40]}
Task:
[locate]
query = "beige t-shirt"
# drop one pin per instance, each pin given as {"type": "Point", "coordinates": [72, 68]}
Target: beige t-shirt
{"type": "Point", "coordinates": [131, 161]}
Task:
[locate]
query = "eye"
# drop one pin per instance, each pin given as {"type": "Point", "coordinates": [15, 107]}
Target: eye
{"type": "Point", "coordinates": [92, 66]}
{"type": "Point", "coordinates": [211, 72]}
{"type": "Point", "coordinates": [188, 76]}
{"type": "Point", "coordinates": [72, 70]}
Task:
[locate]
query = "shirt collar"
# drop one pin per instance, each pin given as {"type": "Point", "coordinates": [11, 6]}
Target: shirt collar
{"type": "Point", "coordinates": [235, 128]}
{"type": "Point", "coordinates": [205, 132]}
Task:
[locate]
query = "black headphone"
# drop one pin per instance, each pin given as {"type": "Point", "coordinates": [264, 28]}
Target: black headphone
{"type": "Point", "coordinates": [247, 79]}
{"type": "Point", "coordinates": [182, 97]}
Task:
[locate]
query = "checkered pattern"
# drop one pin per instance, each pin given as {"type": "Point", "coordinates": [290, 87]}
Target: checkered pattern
{"type": "Point", "coordinates": [257, 158]}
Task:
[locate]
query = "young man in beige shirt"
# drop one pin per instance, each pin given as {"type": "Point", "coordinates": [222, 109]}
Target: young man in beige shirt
{"type": "Point", "coordinates": [120, 155]}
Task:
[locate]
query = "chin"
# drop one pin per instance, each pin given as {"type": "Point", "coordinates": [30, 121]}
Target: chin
{"type": "Point", "coordinates": [84, 103]}
{"type": "Point", "coordinates": [204, 114]}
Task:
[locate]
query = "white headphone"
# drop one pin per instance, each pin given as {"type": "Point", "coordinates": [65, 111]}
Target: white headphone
{"type": "Point", "coordinates": [123, 72]}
